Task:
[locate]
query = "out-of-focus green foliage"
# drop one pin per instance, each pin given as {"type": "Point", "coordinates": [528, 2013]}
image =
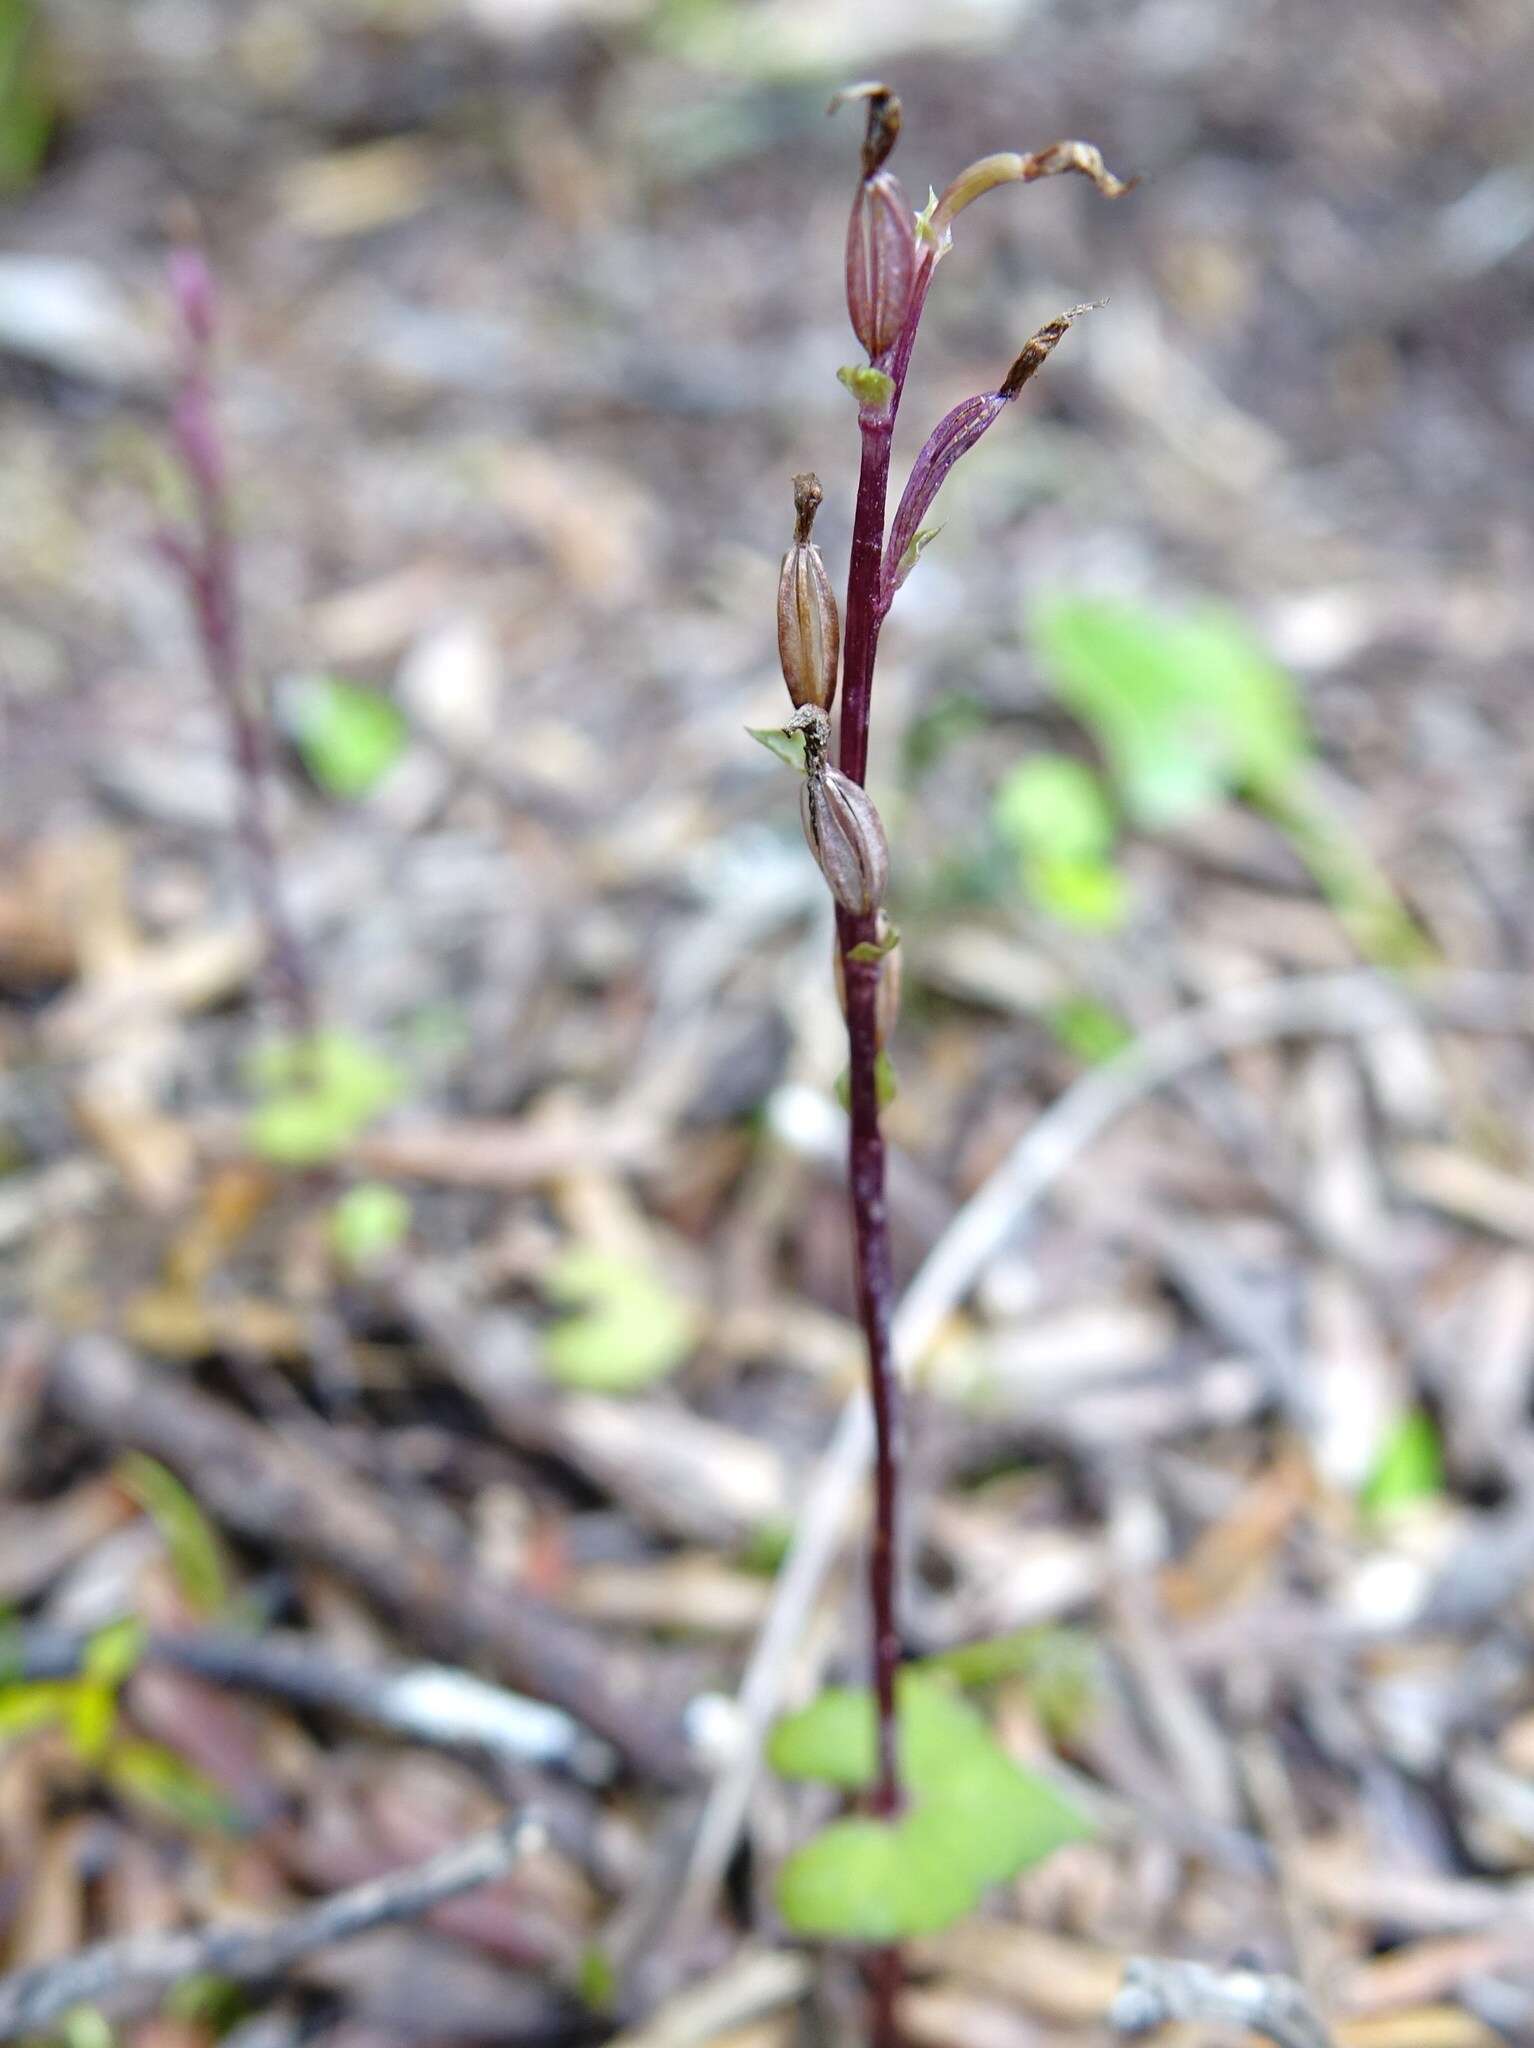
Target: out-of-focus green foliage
{"type": "Point", "coordinates": [369, 1222]}
{"type": "Point", "coordinates": [27, 109]}
{"type": "Point", "coordinates": [1052, 811]}
{"type": "Point", "coordinates": [348, 735]}
{"type": "Point", "coordinates": [625, 1327]}
{"type": "Point", "coordinates": [196, 1553]}
{"type": "Point", "coordinates": [317, 1093]}
{"type": "Point", "coordinates": [1409, 1467]}
{"type": "Point", "coordinates": [1188, 709]}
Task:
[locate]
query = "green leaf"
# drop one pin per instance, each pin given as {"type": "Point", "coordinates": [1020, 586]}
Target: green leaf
{"type": "Point", "coordinates": [166, 1786]}
{"type": "Point", "coordinates": [787, 747]}
{"type": "Point", "coordinates": [1409, 1467]}
{"type": "Point", "coordinates": [1059, 1666]}
{"type": "Point", "coordinates": [1088, 1028]}
{"type": "Point", "coordinates": [627, 1328]}
{"type": "Point", "coordinates": [1052, 807]}
{"type": "Point", "coordinates": [114, 1650]}
{"type": "Point", "coordinates": [992, 1819]}
{"type": "Point", "coordinates": [27, 95]}
{"type": "Point", "coordinates": [1089, 894]}
{"type": "Point", "coordinates": [349, 736]}
{"type": "Point", "coordinates": [196, 1554]}
{"type": "Point", "coordinates": [1051, 810]}
{"type": "Point", "coordinates": [369, 1222]}
{"type": "Point", "coordinates": [1186, 709]}
{"type": "Point", "coordinates": [92, 1719]}
{"type": "Point", "coordinates": [596, 1980]}
{"type": "Point", "coordinates": [85, 2026]}
{"type": "Point", "coordinates": [872, 1881]}
{"type": "Point", "coordinates": [26, 1707]}
{"type": "Point", "coordinates": [975, 1818]}
{"type": "Point", "coordinates": [321, 1090]}
{"type": "Point", "coordinates": [832, 1740]}
{"type": "Point", "coordinates": [947, 723]}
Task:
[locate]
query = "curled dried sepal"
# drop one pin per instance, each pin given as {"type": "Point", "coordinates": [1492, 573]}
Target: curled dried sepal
{"type": "Point", "coordinates": [881, 262]}
{"type": "Point", "coordinates": [953, 437]}
{"type": "Point", "coordinates": [883, 953]}
{"type": "Point", "coordinates": [1039, 347]}
{"type": "Point", "coordinates": [883, 130]}
{"type": "Point", "coordinates": [808, 499]}
{"type": "Point", "coordinates": [1007, 167]}
{"type": "Point", "coordinates": [809, 628]}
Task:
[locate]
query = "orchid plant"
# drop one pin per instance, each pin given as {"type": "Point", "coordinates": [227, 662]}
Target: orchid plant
{"type": "Point", "coordinates": [946, 1812]}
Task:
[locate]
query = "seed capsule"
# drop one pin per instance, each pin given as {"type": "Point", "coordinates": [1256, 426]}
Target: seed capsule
{"type": "Point", "coordinates": [847, 839]}
{"type": "Point", "coordinates": [809, 630]}
{"type": "Point", "coordinates": [887, 1004]}
{"type": "Point", "coordinates": [881, 262]}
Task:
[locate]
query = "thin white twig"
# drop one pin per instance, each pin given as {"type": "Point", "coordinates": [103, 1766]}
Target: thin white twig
{"type": "Point", "coordinates": [1352, 1005]}
{"type": "Point", "coordinates": [1156, 1992]}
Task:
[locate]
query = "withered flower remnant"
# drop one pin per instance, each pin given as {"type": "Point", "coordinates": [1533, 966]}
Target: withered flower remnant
{"type": "Point", "coordinates": [841, 827]}
{"type": "Point", "coordinates": [809, 626]}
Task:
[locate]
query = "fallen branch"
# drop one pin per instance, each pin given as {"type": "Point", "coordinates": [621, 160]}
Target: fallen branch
{"type": "Point", "coordinates": [33, 1999]}
{"type": "Point", "coordinates": [1155, 1993]}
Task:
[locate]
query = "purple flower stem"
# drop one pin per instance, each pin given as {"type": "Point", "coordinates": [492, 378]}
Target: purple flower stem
{"type": "Point", "coordinates": [870, 1219]}
{"type": "Point", "coordinates": [205, 559]}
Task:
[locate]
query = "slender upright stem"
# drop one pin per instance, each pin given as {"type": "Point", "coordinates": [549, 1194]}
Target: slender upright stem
{"type": "Point", "coordinates": [866, 1175]}
{"type": "Point", "coordinates": [206, 561]}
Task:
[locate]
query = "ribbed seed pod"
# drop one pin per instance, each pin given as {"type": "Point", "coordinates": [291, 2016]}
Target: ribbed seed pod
{"type": "Point", "coordinates": [881, 262]}
{"type": "Point", "coordinates": [846, 838]}
{"type": "Point", "coordinates": [809, 628]}
{"type": "Point", "coordinates": [887, 1006]}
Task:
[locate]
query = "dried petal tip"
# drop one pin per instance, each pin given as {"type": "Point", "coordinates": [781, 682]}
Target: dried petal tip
{"type": "Point", "coordinates": [881, 262]}
{"type": "Point", "coordinates": [844, 833]}
{"type": "Point", "coordinates": [1007, 167]}
{"type": "Point", "coordinates": [808, 499]}
{"type": "Point", "coordinates": [883, 130]}
{"type": "Point", "coordinates": [809, 628]}
{"type": "Point", "coordinates": [1038, 349]}
{"type": "Point", "coordinates": [1077, 156]}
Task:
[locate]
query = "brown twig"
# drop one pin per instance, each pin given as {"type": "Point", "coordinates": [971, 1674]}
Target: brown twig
{"type": "Point", "coordinates": [284, 1494]}
{"type": "Point", "coordinates": [32, 1999]}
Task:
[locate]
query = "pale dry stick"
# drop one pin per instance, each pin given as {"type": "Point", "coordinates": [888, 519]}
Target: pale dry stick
{"type": "Point", "coordinates": [32, 1999]}
{"type": "Point", "coordinates": [1155, 1993]}
{"type": "Point", "coordinates": [1352, 1005]}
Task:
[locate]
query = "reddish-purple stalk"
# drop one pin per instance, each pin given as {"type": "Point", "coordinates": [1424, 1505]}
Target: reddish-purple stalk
{"type": "Point", "coordinates": [883, 260]}
{"type": "Point", "coordinates": [865, 612]}
{"type": "Point", "coordinates": [205, 559]}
